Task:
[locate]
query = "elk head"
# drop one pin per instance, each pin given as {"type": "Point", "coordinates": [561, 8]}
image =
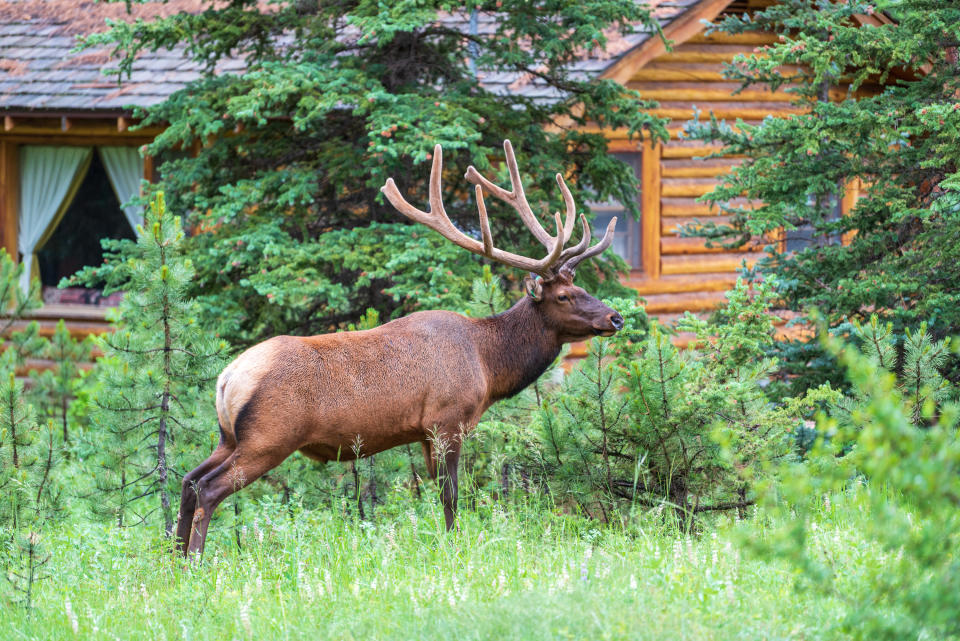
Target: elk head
{"type": "Point", "coordinates": [569, 310]}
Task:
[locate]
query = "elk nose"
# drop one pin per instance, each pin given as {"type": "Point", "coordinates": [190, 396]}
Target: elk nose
{"type": "Point", "coordinates": [616, 320]}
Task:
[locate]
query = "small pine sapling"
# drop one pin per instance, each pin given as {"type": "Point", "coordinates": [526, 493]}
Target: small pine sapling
{"type": "Point", "coordinates": [17, 303]}
{"type": "Point", "coordinates": [31, 496]}
{"type": "Point", "coordinates": [13, 298]}
{"type": "Point", "coordinates": [154, 409]}
{"type": "Point", "coordinates": [906, 486]}
{"type": "Point", "coordinates": [55, 388]}
{"type": "Point", "coordinates": [583, 428]}
{"type": "Point", "coordinates": [916, 362]}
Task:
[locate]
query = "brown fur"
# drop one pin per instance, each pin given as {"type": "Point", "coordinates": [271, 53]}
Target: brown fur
{"type": "Point", "coordinates": [426, 377]}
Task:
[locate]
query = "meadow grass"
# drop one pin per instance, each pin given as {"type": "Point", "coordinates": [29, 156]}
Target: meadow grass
{"type": "Point", "coordinates": [516, 571]}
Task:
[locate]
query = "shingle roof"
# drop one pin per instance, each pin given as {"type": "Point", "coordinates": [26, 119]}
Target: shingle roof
{"type": "Point", "coordinates": [40, 71]}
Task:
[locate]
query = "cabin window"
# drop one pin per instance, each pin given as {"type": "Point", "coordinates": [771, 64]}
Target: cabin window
{"type": "Point", "coordinates": [94, 214]}
{"type": "Point", "coordinates": [70, 201]}
{"type": "Point", "coordinates": [626, 239]}
{"type": "Point", "coordinates": [804, 235]}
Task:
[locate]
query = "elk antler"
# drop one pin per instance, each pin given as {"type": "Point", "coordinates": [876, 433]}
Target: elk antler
{"type": "Point", "coordinates": [547, 266]}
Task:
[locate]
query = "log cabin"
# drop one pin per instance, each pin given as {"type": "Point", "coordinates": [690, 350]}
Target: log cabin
{"type": "Point", "coordinates": [66, 127]}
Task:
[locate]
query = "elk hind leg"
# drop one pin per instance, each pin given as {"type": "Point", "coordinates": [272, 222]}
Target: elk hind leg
{"type": "Point", "coordinates": [188, 494]}
{"type": "Point", "coordinates": [429, 460]}
{"type": "Point", "coordinates": [239, 470]}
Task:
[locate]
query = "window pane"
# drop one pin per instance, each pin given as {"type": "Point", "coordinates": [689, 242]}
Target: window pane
{"type": "Point", "coordinates": [93, 214]}
{"type": "Point", "coordinates": [626, 240]}
{"type": "Point", "coordinates": [621, 238]}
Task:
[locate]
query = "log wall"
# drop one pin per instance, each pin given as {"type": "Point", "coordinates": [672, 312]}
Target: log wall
{"type": "Point", "coordinates": [683, 274]}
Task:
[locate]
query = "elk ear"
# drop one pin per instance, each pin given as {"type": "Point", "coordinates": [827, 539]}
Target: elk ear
{"type": "Point", "coordinates": [534, 286]}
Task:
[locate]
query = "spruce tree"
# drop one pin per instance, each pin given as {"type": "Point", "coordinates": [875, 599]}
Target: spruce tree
{"type": "Point", "coordinates": [155, 415]}
{"type": "Point", "coordinates": [879, 112]}
{"type": "Point", "coordinates": [292, 234]}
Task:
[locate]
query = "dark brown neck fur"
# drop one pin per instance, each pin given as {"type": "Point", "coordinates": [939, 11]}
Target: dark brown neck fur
{"type": "Point", "coordinates": [516, 347]}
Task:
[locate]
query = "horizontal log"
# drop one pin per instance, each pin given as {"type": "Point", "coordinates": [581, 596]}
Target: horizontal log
{"type": "Point", "coordinates": [703, 263]}
{"type": "Point", "coordinates": [75, 127]}
{"type": "Point", "coordinates": [40, 365]}
{"type": "Point", "coordinates": [693, 168]}
{"type": "Point", "coordinates": [672, 245]}
{"type": "Point", "coordinates": [680, 283]}
{"type": "Point", "coordinates": [622, 145]}
{"type": "Point", "coordinates": [683, 302]}
{"type": "Point", "coordinates": [708, 92]}
{"type": "Point", "coordinates": [68, 312]}
{"type": "Point", "coordinates": [747, 37]}
{"type": "Point", "coordinates": [687, 187]}
{"type": "Point", "coordinates": [658, 71]}
{"type": "Point", "coordinates": [79, 329]}
{"type": "Point", "coordinates": [675, 130]}
{"type": "Point", "coordinates": [697, 52]}
{"type": "Point", "coordinates": [689, 149]}
{"type": "Point", "coordinates": [671, 226]}
{"type": "Point", "coordinates": [721, 112]}
{"type": "Point", "coordinates": [670, 207]}
{"type": "Point", "coordinates": [769, 107]}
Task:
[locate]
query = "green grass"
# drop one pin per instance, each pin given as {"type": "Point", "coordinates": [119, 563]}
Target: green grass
{"type": "Point", "coordinates": [514, 572]}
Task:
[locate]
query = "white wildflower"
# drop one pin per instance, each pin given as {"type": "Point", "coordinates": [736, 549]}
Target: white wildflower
{"type": "Point", "coordinates": [71, 615]}
{"type": "Point", "coordinates": [245, 617]}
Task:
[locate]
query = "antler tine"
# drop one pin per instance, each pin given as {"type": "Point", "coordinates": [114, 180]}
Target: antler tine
{"type": "Point", "coordinates": [484, 221]}
{"type": "Point", "coordinates": [580, 247]}
{"type": "Point", "coordinates": [571, 209]}
{"type": "Point", "coordinates": [437, 220]}
{"type": "Point", "coordinates": [515, 198]}
{"type": "Point", "coordinates": [571, 264]}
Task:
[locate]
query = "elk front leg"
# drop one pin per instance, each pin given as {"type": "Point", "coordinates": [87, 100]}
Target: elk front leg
{"type": "Point", "coordinates": [448, 483]}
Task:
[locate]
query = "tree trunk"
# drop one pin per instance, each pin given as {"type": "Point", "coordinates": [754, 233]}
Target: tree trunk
{"type": "Point", "coordinates": [165, 408]}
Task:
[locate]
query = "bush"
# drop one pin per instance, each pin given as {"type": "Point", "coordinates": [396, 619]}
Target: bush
{"type": "Point", "coordinates": [897, 450]}
{"type": "Point", "coordinates": [640, 424]}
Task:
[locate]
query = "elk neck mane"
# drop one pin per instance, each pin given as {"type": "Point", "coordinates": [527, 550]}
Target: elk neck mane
{"type": "Point", "coordinates": [516, 346]}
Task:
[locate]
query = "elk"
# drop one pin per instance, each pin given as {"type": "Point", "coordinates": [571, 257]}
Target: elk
{"type": "Point", "coordinates": [427, 377]}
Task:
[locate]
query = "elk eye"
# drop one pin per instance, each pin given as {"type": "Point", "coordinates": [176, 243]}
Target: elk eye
{"type": "Point", "coordinates": [562, 298]}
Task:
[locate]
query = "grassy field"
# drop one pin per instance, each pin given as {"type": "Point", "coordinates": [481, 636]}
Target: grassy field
{"type": "Point", "coordinates": [515, 572]}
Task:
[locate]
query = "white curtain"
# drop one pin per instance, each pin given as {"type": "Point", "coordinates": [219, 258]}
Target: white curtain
{"type": "Point", "coordinates": [49, 178]}
{"type": "Point", "coordinates": [125, 169]}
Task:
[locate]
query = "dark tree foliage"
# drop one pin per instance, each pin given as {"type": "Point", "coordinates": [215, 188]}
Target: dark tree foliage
{"type": "Point", "coordinates": [899, 139]}
{"type": "Point", "coordinates": [291, 233]}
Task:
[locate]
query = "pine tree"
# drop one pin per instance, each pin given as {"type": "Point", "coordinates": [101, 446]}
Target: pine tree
{"type": "Point", "coordinates": [155, 406]}
{"type": "Point", "coordinates": [18, 436]}
{"type": "Point", "coordinates": [904, 482]}
{"type": "Point", "coordinates": [917, 361]}
{"type": "Point", "coordinates": [17, 345]}
{"type": "Point", "coordinates": [55, 389]}
{"type": "Point", "coordinates": [31, 494]}
{"type": "Point", "coordinates": [643, 424]}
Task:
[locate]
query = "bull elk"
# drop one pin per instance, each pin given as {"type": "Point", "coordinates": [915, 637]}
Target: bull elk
{"type": "Point", "coordinates": [427, 377]}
